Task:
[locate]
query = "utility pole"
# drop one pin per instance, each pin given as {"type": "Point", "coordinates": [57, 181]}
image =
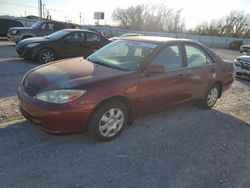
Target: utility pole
{"type": "Point", "coordinates": [80, 18]}
{"type": "Point", "coordinates": [48, 16]}
{"type": "Point", "coordinates": [40, 9]}
{"type": "Point", "coordinates": [44, 16]}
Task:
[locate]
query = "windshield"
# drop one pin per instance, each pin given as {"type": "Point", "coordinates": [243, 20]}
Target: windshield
{"type": "Point", "coordinates": [36, 25]}
{"type": "Point", "coordinates": [123, 54]}
{"type": "Point", "coordinates": [58, 34]}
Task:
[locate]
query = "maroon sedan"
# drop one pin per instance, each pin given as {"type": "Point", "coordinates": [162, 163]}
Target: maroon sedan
{"type": "Point", "coordinates": [124, 80]}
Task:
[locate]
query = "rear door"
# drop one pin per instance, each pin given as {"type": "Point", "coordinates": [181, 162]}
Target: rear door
{"type": "Point", "coordinates": [201, 71]}
{"type": "Point", "coordinates": [160, 90]}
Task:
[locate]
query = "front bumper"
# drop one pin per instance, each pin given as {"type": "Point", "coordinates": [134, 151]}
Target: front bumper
{"type": "Point", "coordinates": [55, 118]}
{"type": "Point", "coordinates": [26, 53]}
{"type": "Point", "coordinates": [240, 72]}
{"type": "Point", "coordinates": [15, 38]}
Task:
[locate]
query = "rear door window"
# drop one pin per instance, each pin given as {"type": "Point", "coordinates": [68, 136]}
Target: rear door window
{"type": "Point", "coordinates": [196, 57]}
{"type": "Point", "coordinates": [76, 37]}
{"type": "Point", "coordinates": [170, 57]}
{"type": "Point", "coordinates": [91, 37]}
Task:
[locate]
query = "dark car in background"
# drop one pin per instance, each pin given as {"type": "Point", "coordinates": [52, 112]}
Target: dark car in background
{"type": "Point", "coordinates": [124, 80]}
{"type": "Point", "coordinates": [235, 45]}
{"type": "Point", "coordinates": [245, 49]}
{"type": "Point", "coordinates": [61, 44]}
{"type": "Point", "coordinates": [5, 24]}
{"type": "Point", "coordinates": [40, 28]}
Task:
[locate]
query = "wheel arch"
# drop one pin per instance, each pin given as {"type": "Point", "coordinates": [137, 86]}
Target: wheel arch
{"type": "Point", "coordinates": [122, 99]}
{"type": "Point", "coordinates": [44, 48]}
{"type": "Point", "coordinates": [219, 84]}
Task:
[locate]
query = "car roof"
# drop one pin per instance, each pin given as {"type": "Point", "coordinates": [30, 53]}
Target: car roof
{"type": "Point", "coordinates": [85, 30]}
{"type": "Point", "coordinates": [156, 39]}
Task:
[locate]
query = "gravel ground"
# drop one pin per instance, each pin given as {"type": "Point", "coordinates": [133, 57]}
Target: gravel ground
{"type": "Point", "coordinates": [183, 147]}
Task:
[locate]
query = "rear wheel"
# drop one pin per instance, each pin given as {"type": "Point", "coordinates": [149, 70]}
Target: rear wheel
{"type": "Point", "coordinates": [211, 97]}
{"type": "Point", "coordinates": [46, 56]}
{"type": "Point", "coordinates": [108, 121]}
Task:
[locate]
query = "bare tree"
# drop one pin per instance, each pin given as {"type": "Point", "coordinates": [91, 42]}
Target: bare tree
{"type": "Point", "coordinates": [236, 24]}
{"type": "Point", "coordinates": [121, 16]}
{"type": "Point", "coordinates": [150, 18]}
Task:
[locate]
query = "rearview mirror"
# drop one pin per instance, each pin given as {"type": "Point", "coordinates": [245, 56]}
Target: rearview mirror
{"type": "Point", "coordinates": [155, 69]}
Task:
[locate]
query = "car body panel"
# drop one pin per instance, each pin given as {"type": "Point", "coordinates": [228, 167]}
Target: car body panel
{"type": "Point", "coordinates": [154, 92]}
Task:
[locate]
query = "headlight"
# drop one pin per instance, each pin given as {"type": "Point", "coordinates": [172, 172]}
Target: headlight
{"type": "Point", "coordinates": [32, 45]}
{"type": "Point", "coordinates": [237, 63]}
{"type": "Point", "coordinates": [14, 32]}
{"type": "Point", "coordinates": [60, 96]}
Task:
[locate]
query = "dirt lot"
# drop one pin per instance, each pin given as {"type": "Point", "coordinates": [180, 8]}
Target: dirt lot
{"type": "Point", "coordinates": [183, 147]}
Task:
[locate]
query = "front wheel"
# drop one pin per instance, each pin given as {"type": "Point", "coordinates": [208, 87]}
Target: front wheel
{"type": "Point", "coordinates": [46, 56]}
{"type": "Point", "coordinates": [108, 121]}
{"type": "Point", "coordinates": [211, 97]}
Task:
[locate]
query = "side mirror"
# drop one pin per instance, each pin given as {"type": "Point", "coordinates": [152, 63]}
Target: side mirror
{"type": "Point", "coordinates": [154, 69]}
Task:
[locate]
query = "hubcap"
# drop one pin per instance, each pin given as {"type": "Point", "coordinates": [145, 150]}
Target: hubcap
{"type": "Point", "coordinates": [47, 56]}
{"type": "Point", "coordinates": [212, 96]}
{"type": "Point", "coordinates": [111, 122]}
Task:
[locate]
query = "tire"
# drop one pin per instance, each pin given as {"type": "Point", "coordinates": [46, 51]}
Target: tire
{"type": "Point", "coordinates": [46, 56]}
{"type": "Point", "coordinates": [212, 95]}
{"type": "Point", "coordinates": [108, 121]}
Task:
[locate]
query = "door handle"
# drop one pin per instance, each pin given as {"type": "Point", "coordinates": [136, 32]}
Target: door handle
{"type": "Point", "coordinates": [212, 70]}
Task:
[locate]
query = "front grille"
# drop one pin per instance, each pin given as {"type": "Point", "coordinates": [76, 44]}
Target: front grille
{"type": "Point", "coordinates": [246, 66]}
{"type": "Point", "coordinates": [30, 89]}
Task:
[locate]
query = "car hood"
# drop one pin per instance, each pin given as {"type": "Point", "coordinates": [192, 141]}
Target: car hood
{"type": "Point", "coordinates": [69, 74]}
{"type": "Point", "coordinates": [246, 45]}
{"type": "Point", "coordinates": [33, 40]}
{"type": "Point", "coordinates": [244, 58]}
{"type": "Point", "coordinates": [22, 29]}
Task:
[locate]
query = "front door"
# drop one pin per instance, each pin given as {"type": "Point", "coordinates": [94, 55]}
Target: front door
{"type": "Point", "coordinates": [73, 44]}
{"type": "Point", "coordinates": [159, 90]}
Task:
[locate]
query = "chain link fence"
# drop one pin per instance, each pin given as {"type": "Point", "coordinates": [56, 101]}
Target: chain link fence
{"type": "Point", "coordinates": [213, 42]}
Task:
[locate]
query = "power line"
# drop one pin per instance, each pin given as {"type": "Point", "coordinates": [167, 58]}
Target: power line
{"type": "Point", "coordinates": [33, 7]}
{"type": "Point", "coordinates": [16, 4]}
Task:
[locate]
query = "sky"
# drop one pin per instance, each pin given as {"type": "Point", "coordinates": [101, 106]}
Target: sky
{"type": "Point", "coordinates": [194, 11]}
